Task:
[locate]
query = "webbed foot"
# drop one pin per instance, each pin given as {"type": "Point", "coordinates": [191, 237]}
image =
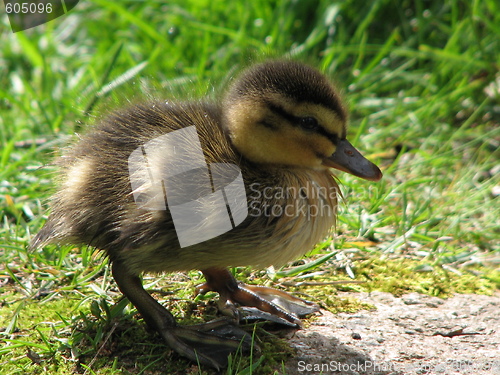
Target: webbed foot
{"type": "Point", "coordinates": [209, 343]}
{"type": "Point", "coordinates": [258, 302]}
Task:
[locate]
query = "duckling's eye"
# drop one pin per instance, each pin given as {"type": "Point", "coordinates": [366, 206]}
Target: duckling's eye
{"type": "Point", "coordinates": [308, 123]}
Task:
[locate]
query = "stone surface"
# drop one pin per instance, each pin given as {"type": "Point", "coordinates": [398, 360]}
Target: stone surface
{"type": "Point", "coordinates": [406, 335]}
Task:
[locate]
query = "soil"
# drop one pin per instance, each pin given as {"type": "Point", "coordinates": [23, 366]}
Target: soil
{"type": "Point", "coordinates": [411, 334]}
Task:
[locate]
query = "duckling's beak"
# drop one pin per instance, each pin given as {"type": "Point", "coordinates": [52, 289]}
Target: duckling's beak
{"type": "Point", "coordinates": [346, 158]}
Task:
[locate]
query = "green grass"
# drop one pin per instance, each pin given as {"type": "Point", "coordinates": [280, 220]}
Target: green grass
{"type": "Point", "coordinates": [420, 77]}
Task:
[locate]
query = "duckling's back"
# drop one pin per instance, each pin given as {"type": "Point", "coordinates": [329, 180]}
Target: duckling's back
{"type": "Point", "coordinates": [94, 202]}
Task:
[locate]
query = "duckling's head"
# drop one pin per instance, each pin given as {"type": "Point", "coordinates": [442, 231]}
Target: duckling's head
{"type": "Point", "coordinates": [287, 113]}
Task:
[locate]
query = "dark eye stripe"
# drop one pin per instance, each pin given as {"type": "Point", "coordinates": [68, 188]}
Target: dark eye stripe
{"type": "Point", "coordinates": [294, 120]}
{"type": "Point", "coordinates": [281, 112]}
{"type": "Point", "coordinates": [268, 125]}
{"type": "Point", "coordinates": [332, 137]}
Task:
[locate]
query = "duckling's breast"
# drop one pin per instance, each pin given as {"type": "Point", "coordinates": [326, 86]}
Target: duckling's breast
{"type": "Point", "coordinates": [297, 208]}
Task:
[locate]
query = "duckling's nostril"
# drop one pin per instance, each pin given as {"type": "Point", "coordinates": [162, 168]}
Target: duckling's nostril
{"type": "Point", "coordinates": [346, 158]}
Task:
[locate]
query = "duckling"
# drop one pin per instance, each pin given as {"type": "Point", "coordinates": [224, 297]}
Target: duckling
{"type": "Point", "coordinates": [281, 127]}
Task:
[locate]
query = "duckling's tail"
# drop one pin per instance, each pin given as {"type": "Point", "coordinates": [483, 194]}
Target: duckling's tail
{"type": "Point", "coordinates": [46, 235]}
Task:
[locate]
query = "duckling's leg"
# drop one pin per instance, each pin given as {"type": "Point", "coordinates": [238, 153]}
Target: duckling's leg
{"type": "Point", "coordinates": [208, 344]}
{"type": "Point", "coordinates": [268, 300]}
